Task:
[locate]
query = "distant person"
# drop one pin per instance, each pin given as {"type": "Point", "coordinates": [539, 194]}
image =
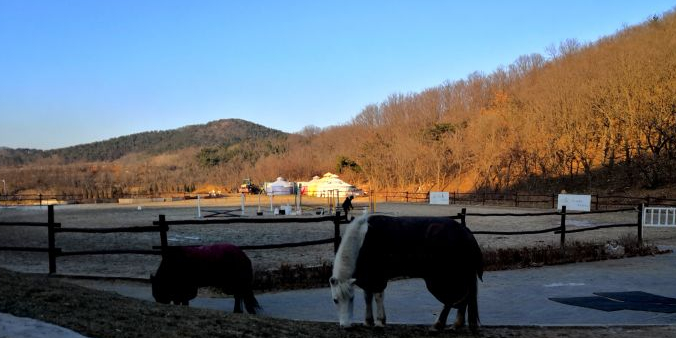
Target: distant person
{"type": "Point", "coordinates": [347, 205]}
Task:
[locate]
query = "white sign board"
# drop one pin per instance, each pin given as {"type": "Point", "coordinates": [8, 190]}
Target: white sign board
{"type": "Point", "coordinates": [439, 197]}
{"type": "Point", "coordinates": [574, 202]}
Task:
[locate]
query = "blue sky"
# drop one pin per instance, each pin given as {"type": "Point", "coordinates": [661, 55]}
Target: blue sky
{"type": "Point", "coordinates": [74, 72]}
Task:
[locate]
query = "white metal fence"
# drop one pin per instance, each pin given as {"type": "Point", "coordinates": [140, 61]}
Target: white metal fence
{"type": "Point", "coordinates": [659, 216]}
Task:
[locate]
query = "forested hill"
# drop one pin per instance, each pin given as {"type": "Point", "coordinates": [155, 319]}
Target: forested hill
{"type": "Point", "coordinates": [223, 132]}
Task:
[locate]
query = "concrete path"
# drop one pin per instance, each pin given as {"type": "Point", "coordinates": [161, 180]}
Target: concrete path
{"type": "Point", "coordinates": [517, 297]}
{"type": "Point", "coordinates": [15, 327]}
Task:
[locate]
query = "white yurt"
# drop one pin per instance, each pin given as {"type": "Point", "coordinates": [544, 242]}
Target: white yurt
{"type": "Point", "coordinates": [310, 188]}
{"type": "Point", "coordinates": [279, 187]}
{"type": "Point", "coordinates": [331, 183]}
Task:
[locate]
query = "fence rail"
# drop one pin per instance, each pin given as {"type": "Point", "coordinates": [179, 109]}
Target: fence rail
{"type": "Point", "coordinates": [607, 226]}
{"type": "Point", "coordinates": [531, 232]}
{"type": "Point", "coordinates": [23, 249]}
{"type": "Point", "coordinates": [163, 224]}
{"type": "Point", "coordinates": [110, 230]}
{"type": "Point", "coordinates": [107, 252]}
{"type": "Point", "coordinates": [46, 199]}
{"type": "Point", "coordinates": [50, 225]}
{"type": "Point", "coordinates": [247, 220]}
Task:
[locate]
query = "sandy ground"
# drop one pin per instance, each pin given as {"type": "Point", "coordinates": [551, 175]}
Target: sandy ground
{"type": "Point", "coordinates": [82, 309]}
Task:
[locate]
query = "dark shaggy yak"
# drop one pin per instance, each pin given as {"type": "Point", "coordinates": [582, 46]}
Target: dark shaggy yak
{"type": "Point", "coordinates": [376, 248]}
{"type": "Point", "coordinates": [185, 269]}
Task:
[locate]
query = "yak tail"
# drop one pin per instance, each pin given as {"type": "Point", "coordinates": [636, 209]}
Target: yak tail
{"type": "Point", "coordinates": [473, 306]}
{"type": "Point", "coordinates": [250, 303]}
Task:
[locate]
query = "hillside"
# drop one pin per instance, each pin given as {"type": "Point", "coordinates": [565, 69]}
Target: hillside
{"type": "Point", "coordinates": [217, 133]}
{"type": "Point", "coordinates": [587, 116]}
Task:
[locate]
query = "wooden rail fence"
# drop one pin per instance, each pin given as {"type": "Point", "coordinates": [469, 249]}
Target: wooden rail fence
{"type": "Point", "coordinates": [162, 226]}
{"type": "Point", "coordinates": [561, 229]}
{"type": "Point", "coordinates": [516, 199]}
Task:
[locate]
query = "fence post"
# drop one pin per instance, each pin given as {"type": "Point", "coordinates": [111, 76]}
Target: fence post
{"type": "Point", "coordinates": [463, 213]}
{"type": "Point", "coordinates": [51, 240]}
{"type": "Point", "coordinates": [597, 202]}
{"type": "Point", "coordinates": [163, 235]}
{"type": "Point", "coordinates": [516, 199]}
{"type": "Point", "coordinates": [639, 224]}
{"type": "Point", "coordinates": [336, 232]}
{"type": "Point", "coordinates": [406, 196]}
{"type": "Point", "coordinates": [563, 229]}
{"type": "Point", "coordinates": [553, 201]}
{"type": "Point", "coordinates": [40, 197]}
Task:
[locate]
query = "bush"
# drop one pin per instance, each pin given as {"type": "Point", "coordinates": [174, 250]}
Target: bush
{"type": "Point", "coordinates": [300, 277]}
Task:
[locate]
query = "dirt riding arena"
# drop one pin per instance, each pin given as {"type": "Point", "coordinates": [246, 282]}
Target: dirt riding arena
{"type": "Point", "coordinates": [141, 266]}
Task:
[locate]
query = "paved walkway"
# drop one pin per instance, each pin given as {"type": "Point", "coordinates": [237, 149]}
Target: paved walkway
{"type": "Point", "coordinates": [15, 327]}
{"type": "Point", "coordinates": [517, 297]}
